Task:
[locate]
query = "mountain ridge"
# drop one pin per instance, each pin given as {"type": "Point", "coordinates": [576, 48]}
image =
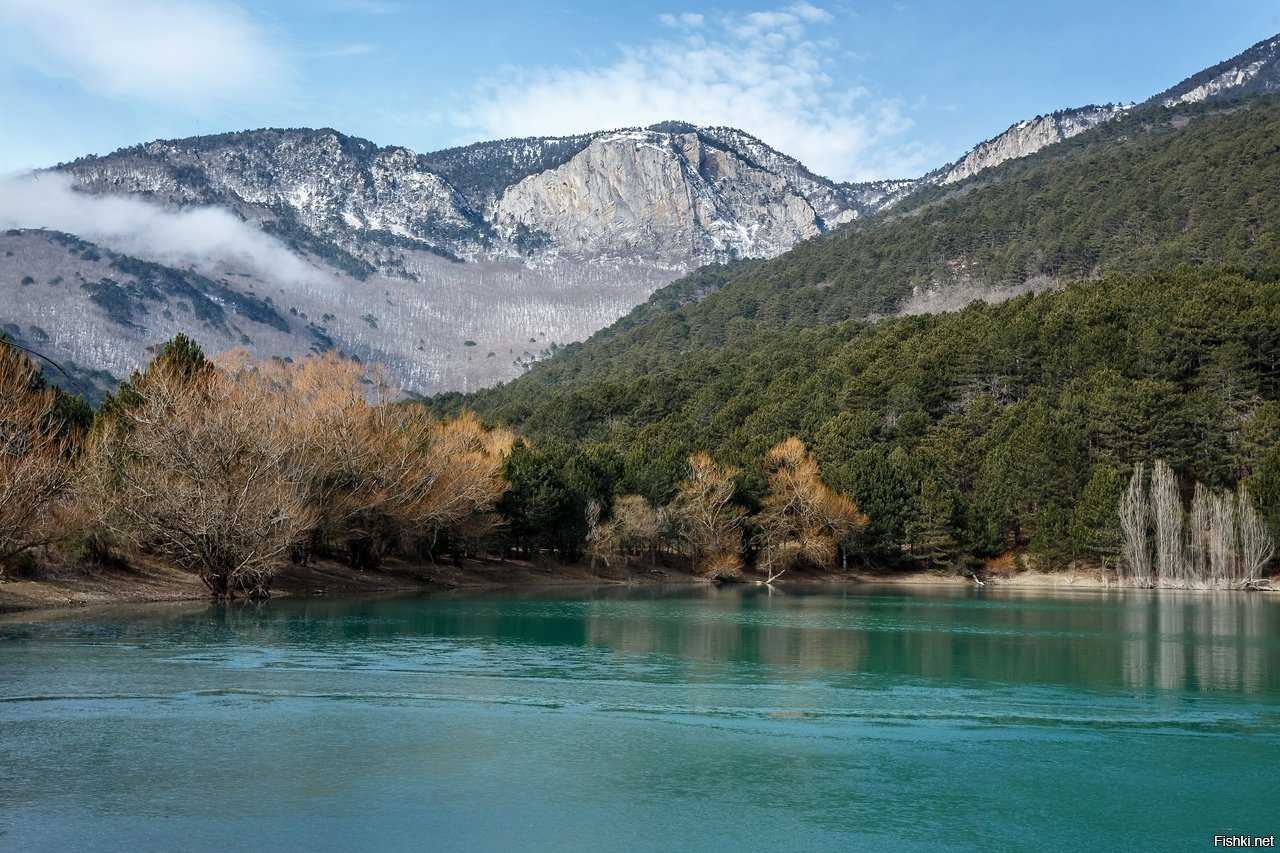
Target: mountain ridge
{"type": "Point", "coordinates": [1255, 71]}
{"type": "Point", "coordinates": [458, 203]}
{"type": "Point", "coordinates": [1153, 190]}
{"type": "Point", "coordinates": [463, 266]}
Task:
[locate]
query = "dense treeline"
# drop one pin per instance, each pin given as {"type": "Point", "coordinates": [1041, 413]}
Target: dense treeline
{"type": "Point", "coordinates": [1198, 184]}
{"type": "Point", "coordinates": [230, 468]}
{"type": "Point", "coordinates": [1010, 427]}
{"type": "Point", "coordinates": [936, 441]}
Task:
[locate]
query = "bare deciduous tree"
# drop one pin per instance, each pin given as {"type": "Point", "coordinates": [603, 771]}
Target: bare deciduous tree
{"type": "Point", "coordinates": [1166, 507]}
{"type": "Point", "coordinates": [1226, 542]}
{"type": "Point", "coordinates": [1198, 532]}
{"type": "Point", "coordinates": [1256, 545]}
{"type": "Point", "coordinates": [634, 528]}
{"type": "Point", "coordinates": [604, 536]}
{"type": "Point", "coordinates": [382, 473]}
{"type": "Point", "coordinates": [200, 469]}
{"type": "Point", "coordinates": [1222, 539]}
{"type": "Point", "coordinates": [35, 474]}
{"type": "Point", "coordinates": [641, 526]}
{"type": "Point", "coordinates": [1135, 520]}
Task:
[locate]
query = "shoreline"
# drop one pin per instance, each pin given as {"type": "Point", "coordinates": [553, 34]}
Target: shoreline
{"type": "Point", "coordinates": [73, 588]}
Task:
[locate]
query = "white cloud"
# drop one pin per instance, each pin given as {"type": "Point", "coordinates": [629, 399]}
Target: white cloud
{"type": "Point", "coordinates": [183, 55]}
{"type": "Point", "coordinates": [202, 235]}
{"type": "Point", "coordinates": [763, 72]}
{"type": "Point", "coordinates": [810, 13]}
{"type": "Point", "coordinates": [688, 19]}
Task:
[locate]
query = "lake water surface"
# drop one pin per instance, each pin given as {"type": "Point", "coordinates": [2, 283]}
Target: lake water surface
{"type": "Point", "coordinates": [707, 719]}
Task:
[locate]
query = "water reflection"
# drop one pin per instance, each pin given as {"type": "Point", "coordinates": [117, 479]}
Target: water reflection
{"type": "Point", "coordinates": [1202, 641]}
{"type": "Point", "coordinates": [1143, 640]}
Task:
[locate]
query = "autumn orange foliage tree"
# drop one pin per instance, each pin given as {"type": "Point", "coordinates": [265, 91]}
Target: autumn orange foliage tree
{"type": "Point", "coordinates": [229, 470]}
{"type": "Point", "coordinates": [634, 527]}
{"type": "Point", "coordinates": [802, 519]}
{"type": "Point", "coordinates": [199, 468]}
{"type": "Point", "coordinates": [383, 474]}
{"type": "Point", "coordinates": [707, 521]}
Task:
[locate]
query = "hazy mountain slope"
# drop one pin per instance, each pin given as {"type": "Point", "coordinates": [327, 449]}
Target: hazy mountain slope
{"type": "Point", "coordinates": [90, 308]}
{"type": "Point", "coordinates": [80, 302]}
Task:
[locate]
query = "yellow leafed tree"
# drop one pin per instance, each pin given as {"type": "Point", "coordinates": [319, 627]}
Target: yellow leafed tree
{"type": "Point", "coordinates": [708, 523]}
{"type": "Point", "coordinates": [802, 520]}
{"type": "Point", "coordinates": [228, 469]}
{"type": "Point", "coordinates": [384, 473]}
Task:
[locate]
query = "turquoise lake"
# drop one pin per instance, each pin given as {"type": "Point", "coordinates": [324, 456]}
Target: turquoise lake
{"type": "Point", "coordinates": [856, 718]}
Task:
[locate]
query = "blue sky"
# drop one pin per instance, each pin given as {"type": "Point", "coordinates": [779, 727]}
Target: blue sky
{"type": "Point", "coordinates": [856, 90]}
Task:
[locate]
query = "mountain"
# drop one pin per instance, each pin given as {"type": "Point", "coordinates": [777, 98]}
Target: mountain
{"type": "Point", "coordinates": [1153, 190]}
{"type": "Point", "coordinates": [674, 193]}
{"type": "Point", "coordinates": [460, 268]}
{"type": "Point", "coordinates": [456, 268]}
{"type": "Point", "coordinates": [107, 308]}
{"type": "Point", "coordinates": [1024, 139]}
{"type": "Point", "coordinates": [983, 436]}
{"type": "Point", "coordinates": [1256, 71]}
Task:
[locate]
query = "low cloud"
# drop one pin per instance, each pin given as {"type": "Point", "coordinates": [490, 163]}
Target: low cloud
{"type": "Point", "coordinates": [764, 72]}
{"type": "Point", "coordinates": [187, 56]}
{"type": "Point", "coordinates": [201, 236]}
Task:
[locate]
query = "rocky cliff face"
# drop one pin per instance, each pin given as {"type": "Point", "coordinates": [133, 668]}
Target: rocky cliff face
{"type": "Point", "coordinates": [676, 194]}
{"type": "Point", "coordinates": [1027, 137]}
{"type": "Point", "coordinates": [332, 185]}
{"type": "Point", "coordinates": [1256, 71]}
{"type": "Point", "coordinates": [670, 197]}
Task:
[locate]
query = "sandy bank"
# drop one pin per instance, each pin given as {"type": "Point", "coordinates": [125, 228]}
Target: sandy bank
{"type": "Point", "coordinates": [60, 587]}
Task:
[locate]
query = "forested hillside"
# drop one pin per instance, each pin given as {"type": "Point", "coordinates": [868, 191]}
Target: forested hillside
{"type": "Point", "coordinates": [1012, 427]}
{"type": "Point", "coordinates": [960, 435]}
{"type": "Point", "coordinates": [1198, 184]}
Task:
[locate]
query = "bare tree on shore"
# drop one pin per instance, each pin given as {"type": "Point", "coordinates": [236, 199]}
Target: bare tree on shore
{"type": "Point", "coordinates": [200, 470]}
{"type": "Point", "coordinates": [1198, 531]}
{"type": "Point", "coordinates": [633, 528]}
{"type": "Point", "coordinates": [35, 473]}
{"type": "Point", "coordinates": [1256, 545]}
{"type": "Point", "coordinates": [1135, 519]}
{"type": "Point", "coordinates": [802, 519]}
{"type": "Point", "coordinates": [1166, 509]}
{"type": "Point", "coordinates": [1221, 542]}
